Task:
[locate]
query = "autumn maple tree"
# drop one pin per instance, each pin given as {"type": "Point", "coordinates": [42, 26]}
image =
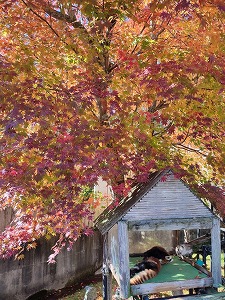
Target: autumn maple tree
{"type": "Point", "coordinates": [105, 88]}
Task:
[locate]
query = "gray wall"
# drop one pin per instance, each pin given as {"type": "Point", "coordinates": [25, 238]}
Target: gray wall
{"type": "Point", "coordinates": [141, 241]}
{"type": "Point", "coordinates": [6, 217]}
{"type": "Point", "coordinates": [20, 279]}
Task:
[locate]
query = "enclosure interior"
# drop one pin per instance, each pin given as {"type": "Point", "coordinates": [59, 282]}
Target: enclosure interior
{"type": "Point", "coordinates": [141, 241]}
{"type": "Point", "coordinates": [177, 274]}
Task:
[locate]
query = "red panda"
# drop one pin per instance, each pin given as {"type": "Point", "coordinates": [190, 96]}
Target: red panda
{"type": "Point", "coordinates": [160, 253]}
{"type": "Point", "coordinates": [150, 266]}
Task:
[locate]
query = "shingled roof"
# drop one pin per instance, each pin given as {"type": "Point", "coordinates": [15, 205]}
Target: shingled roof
{"type": "Point", "coordinates": [112, 214]}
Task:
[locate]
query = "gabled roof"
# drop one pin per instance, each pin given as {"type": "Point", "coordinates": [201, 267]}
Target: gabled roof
{"type": "Point", "coordinates": [154, 200]}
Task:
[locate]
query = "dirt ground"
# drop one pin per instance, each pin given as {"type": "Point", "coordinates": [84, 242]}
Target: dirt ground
{"type": "Point", "coordinates": [59, 294]}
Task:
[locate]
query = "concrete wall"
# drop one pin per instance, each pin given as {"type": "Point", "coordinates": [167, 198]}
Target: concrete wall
{"type": "Point", "coordinates": [6, 217]}
{"type": "Point", "coordinates": [141, 241]}
{"type": "Point", "coordinates": [20, 279]}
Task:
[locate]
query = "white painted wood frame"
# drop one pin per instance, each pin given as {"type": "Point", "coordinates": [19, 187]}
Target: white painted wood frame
{"type": "Point", "coordinates": [169, 224]}
{"type": "Point", "coordinates": [150, 288]}
{"type": "Point", "coordinates": [124, 270]}
{"type": "Point", "coordinates": [216, 253]}
{"type": "Point", "coordinates": [106, 272]}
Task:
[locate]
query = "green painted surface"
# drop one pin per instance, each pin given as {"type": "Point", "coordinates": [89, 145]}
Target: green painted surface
{"type": "Point", "coordinates": [173, 271]}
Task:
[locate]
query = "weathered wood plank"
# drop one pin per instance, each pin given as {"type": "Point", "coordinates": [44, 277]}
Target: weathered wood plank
{"type": "Point", "coordinates": [216, 252]}
{"type": "Point", "coordinates": [138, 224]}
{"type": "Point", "coordinates": [172, 198]}
{"type": "Point", "coordinates": [165, 213]}
{"type": "Point", "coordinates": [156, 199]}
{"type": "Point", "coordinates": [150, 288]}
{"type": "Point", "coordinates": [200, 268]}
{"type": "Point", "coordinates": [124, 271]}
{"type": "Point", "coordinates": [216, 296]}
{"type": "Point", "coordinates": [107, 275]}
{"type": "Point", "coordinates": [115, 273]}
{"type": "Point", "coordinates": [114, 249]}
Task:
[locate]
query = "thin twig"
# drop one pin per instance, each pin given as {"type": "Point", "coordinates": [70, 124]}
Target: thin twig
{"type": "Point", "coordinates": [189, 149]}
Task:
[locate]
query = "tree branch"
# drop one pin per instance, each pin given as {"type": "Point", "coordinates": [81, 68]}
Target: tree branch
{"type": "Point", "coordinates": [189, 149]}
{"type": "Point", "coordinates": [162, 131]}
{"type": "Point", "coordinates": [40, 17]}
{"type": "Point", "coordinates": [64, 17]}
{"type": "Point", "coordinates": [185, 138]}
{"type": "Point", "coordinates": [157, 106]}
{"type": "Point", "coordinates": [59, 16]}
{"type": "Point", "coordinates": [72, 20]}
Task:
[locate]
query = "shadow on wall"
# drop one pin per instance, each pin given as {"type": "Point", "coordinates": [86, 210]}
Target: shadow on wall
{"type": "Point", "coordinates": [20, 279]}
{"type": "Point", "coordinates": [141, 241]}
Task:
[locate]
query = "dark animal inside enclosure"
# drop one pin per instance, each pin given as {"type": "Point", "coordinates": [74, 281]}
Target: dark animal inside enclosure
{"type": "Point", "coordinates": [157, 252]}
{"type": "Point", "coordinates": [150, 268]}
{"type": "Point", "coordinates": [144, 264]}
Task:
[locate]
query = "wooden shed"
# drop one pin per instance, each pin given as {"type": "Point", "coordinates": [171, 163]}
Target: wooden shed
{"type": "Point", "coordinates": [165, 202]}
